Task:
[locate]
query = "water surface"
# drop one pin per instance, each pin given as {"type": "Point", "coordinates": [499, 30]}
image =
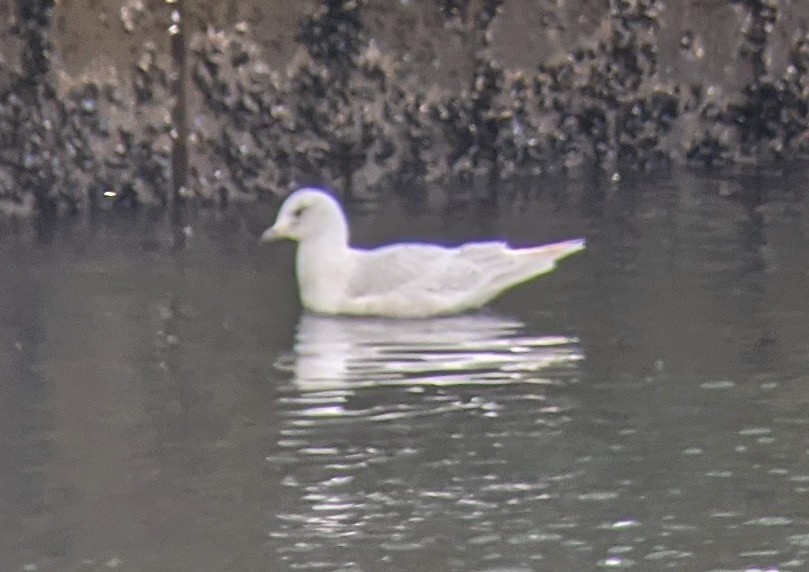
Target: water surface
{"type": "Point", "coordinates": [645, 407]}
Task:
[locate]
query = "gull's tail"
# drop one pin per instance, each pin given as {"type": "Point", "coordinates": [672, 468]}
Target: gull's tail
{"type": "Point", "coordinates": [552, 252]}
{"type": "Point", "coordinates": [507, 267]}
{"type": "Point", "coordinates": [538, 260]}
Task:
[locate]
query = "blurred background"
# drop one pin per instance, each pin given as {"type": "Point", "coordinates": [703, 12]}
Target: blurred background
{"type": "Point", "coordinates": [138, 101]}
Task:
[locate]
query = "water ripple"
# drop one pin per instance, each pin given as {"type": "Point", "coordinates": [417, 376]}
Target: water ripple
{"type": "Point", "coordinates": [393, 431]}
{"type": "Point", "coordinates": [337, 353]}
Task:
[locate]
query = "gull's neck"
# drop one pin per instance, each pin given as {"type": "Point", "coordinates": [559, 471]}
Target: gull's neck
{"type": "Point", "coordinates": [323, 266]}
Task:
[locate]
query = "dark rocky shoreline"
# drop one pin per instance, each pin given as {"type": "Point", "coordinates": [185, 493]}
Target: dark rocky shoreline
{"type": "Point", "coordinates": [360, 94]}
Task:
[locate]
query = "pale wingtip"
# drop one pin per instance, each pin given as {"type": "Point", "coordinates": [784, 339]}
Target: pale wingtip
{"type": "Point", "coordinates": [578, 243]}
{"type": "Point", "coordinates": [569, 247]}
{"type": "Point", "coordinates": [575, 244]}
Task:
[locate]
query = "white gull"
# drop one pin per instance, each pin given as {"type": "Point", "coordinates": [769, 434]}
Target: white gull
{"type": "Point", "coordinates": [406, 280]}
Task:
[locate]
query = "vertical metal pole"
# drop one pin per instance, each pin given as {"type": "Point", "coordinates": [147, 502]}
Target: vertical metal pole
{"type": "Point", "coordinates": [179, 131]}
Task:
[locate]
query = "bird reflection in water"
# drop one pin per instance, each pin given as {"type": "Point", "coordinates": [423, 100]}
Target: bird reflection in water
{"type": "Point", "coordinates": [333, 353]}
{"type": "Point", "coordinates": [390, 425]}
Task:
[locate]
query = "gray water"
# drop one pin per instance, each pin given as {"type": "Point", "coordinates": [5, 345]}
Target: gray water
{"type": "Point", "coordinates": [645, 407]}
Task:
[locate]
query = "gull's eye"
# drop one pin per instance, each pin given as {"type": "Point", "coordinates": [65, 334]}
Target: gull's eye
{"type": "Point", "coordinates": [296, 214]}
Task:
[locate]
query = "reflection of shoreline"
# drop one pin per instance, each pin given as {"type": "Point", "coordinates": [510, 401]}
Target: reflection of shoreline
{"type": "Point", "coordinates": [342, 353]}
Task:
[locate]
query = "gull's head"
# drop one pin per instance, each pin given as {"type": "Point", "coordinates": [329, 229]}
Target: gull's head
{"type": "Point", "coordinates": [308, 213]}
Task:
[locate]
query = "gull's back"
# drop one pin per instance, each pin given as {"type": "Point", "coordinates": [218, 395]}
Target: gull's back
{"type": "Point", "coordinates": [416, 280]}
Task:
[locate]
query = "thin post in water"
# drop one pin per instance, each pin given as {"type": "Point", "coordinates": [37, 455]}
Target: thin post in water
{"type": "Point", "coordinates": [179, 132]}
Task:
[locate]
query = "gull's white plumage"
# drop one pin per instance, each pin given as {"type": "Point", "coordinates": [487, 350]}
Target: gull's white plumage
{"type": "Point", "coordinates": [408, 280]}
